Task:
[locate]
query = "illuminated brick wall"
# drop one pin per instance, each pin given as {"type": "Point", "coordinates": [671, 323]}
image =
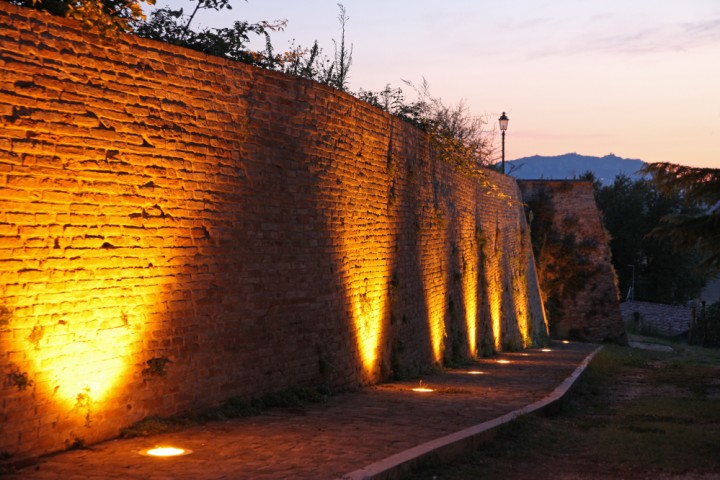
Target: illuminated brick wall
{"type": "Point", "coordinates": [573, 259]}
{"type": "Point", "coordinates": [177, 229]}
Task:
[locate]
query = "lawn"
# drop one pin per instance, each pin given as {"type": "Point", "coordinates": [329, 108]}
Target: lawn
{"type": "Point", "coordinates": [636, 414]}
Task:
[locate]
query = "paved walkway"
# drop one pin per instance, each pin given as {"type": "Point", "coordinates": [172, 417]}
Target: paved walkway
{"type": "Point", "coordinates": [380, 427]}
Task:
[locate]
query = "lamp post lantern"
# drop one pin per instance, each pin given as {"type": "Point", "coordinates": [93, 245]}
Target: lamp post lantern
{"type": "Point", "coordinates": [503, 126]}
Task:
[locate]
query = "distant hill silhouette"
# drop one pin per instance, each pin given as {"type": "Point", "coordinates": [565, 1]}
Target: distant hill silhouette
{"type": "Point", "coordinates": [572, 165]}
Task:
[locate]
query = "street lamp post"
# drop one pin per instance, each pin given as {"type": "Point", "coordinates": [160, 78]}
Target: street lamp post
{"type": "Point", "coordinates": [503, 126]}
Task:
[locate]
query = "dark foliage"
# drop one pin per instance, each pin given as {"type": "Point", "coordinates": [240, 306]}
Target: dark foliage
{"type": "Point", "coordinates": [700, 229]}
{"type": "Point", "coordinates": [631, 210]}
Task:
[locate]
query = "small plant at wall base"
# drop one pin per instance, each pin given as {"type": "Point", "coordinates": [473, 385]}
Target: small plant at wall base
{"type": "Point", "coordinates": [77, 443]}
{"type": "Point", "coordinates": [156, 367]}
{"type": "Point", "coordinates": [36, 335]}
{"type": "Point", "coordinates": [5, 316]}
{"type": "Point", "coordinates": [83, 405]}
{"type": "Point", "coordinates": [19, 379]}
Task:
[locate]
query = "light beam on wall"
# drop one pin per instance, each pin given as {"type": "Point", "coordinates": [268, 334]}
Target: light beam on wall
{"type": "Point", "coordinates": [78, 332]}
{"type": "Point", "coordinates": [470, 294]}
{"type": "Point", "coordinates": [522, 308]}
{"type": "Point", "coordinates": [363, 252]}
{"type": "Point", "coordinates": [368, 298]}
{"type": "Point", "coordinates": [435, 294]}
{"type": "Point", "coordinates": [494, 296]}
{"type": "Point", "coordinates": [494, 277]}
{"type": "Point", "coordinates": [81, 348]}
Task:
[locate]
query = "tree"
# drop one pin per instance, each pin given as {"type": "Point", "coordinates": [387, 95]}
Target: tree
{"type": "Point", "coordinates": [631, 210]}
{"type": "Point", "coordinates": [173, 26]}
{"type": "Point", "coordinates": [701, 230]}
{"type": "Point", "coordinates": [106, 16]}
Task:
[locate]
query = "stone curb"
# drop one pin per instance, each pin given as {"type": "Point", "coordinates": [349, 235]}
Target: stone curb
{"type": "Point", "coordinates": [446, 448]}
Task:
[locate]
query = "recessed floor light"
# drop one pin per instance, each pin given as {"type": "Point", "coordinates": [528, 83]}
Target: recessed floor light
{"type": "Point", "coordinates": [422, 389]}
{"type": "Point", "coordinates": [165, 452]}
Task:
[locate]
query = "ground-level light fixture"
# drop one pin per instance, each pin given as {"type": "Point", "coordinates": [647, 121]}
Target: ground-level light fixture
{"type": "Point", "coordinates": [165, 452]}
{"type": "Point", "coordinates": [475, 372]}
{"type": "Point", "coordinates": [422, 388]}
{"type": "Point", "coordinates": [503, 361]}
{"type": "Point", "coordinates": [546, 350]}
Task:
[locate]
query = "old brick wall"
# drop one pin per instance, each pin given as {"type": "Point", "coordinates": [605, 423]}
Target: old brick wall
{"type": "Point", "coordinates": [177, 229]}
{"type": "Point", "coordinates": [573, 260]}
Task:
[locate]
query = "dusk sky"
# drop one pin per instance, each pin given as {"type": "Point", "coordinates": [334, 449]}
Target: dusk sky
{"type": "Point", "coordinates": [640, 78]}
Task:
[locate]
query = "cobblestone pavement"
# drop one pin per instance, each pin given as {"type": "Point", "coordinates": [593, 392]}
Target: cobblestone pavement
{"type": "Point", "coordinates": [325, 441]}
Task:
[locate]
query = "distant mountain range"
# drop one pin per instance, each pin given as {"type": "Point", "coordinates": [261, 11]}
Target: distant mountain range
{"type": "Point", "coordinates": [572, 165]}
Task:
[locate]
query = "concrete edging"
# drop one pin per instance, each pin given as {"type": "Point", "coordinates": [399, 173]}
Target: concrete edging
{"type": "Point", "coordinates": [446, 448]}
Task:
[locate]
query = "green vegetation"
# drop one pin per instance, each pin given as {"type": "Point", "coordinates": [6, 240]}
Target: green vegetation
{"type": "Point", "coordinates": [106, 16]}
{"type": "Point", "coordinates": [698, 230]}
{"type": "Point", "coordinates": [156, 367]}
{"type": "Point", "coordinates": [635, 414]}
{"type": "Point", "coordinates": [566, 264]}
{"type": "Point", "coordinates": [661, 275]}
{"type": "Point", "coordinates": [705, 329]}
{"type": "Point", "coordinates": [21, 380]}
{"type": "Point", "coordinates": [457, 136]}
{"type": "Point", "coordinates": [672, 241]}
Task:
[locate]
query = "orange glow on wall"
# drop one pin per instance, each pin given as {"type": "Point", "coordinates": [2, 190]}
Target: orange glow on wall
{"type": "Point", "coordinates": [436, 325]}
{"type": "Point", "coordinates": [522, 309]}
{"type": "Point", "coordinates": [435, 290]}
{"type": "Point", "coordinates": [368, 299]}
{"type": "Point", "coordinates": [471, 302]}
{"type": "Point", "coordinates": [365, 245]}
{"type": "Point", "coordinates": [470, 298]}
{"type": "Point", "coordinates": [78, 357]}
{"type": "Point", "coordinates": [77, 334]}
{"type": "Point", "coordinates": [494, 287]}
{"type": "Point", "coordinates": [494, 296]}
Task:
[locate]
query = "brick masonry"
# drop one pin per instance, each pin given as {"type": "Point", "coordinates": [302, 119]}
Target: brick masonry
{"type": "Point", "coordinates": [573, 260]}
{"type": "Point", "coordinates": [177, 229]}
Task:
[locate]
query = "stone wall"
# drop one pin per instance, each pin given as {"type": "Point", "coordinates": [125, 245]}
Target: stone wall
{"type": "Point", "coordinates": [657, 318]}
{"type": "Point", "coordinates": [177, 229]}
{"type": "Point", "coordinates": [573, 260]}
